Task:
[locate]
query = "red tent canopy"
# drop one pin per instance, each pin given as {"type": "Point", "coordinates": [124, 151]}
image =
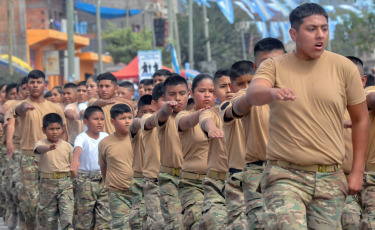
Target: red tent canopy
{"type": "Point", "coordinates": [130, 72]}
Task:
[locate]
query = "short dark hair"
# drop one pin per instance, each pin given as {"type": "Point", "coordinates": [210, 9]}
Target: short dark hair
{"type": "Point", "coordinates": [305, 10]}
{"type": "Point", "coordinates": [94, 78]}
{"type": "Point", "coordinates": [220, 73]}
{"type": "Point", "coordinates": [355, 60]}
{"type": "Point", "coordinates": [36, 74]}
{"type": "Point", "coordinates": [128, 85]}
{"type": "Point", "coordinates": [144, 100]}
{"type": "Point", "coordinates": [10, 87]}
{"type": "Point", "coordinates": [241, 68]}
{"type": "Point", "coordinates": [147, 82]}
{"type": "Point", "coordinates": [190, 101]}
{"type": "Point", "coordinates": [157, 91]}
{"type": "Point", "coordinates": [173, 81]}
{"type": "Point", "coordinates": [162, 72]}
{"type": "Point", "coordinates": [59, 89]}
{"type": "Point", "coordinates": [48, 94]}
{"type": "Point", "coordinates": [24, 80]}
{"type": "Point", "coordinates": [52, 118]}
{"type": "Point", "coordinates": [119, 109]}
{"type": "Point", "coordinates": [267, 45]}
{"type": "Point", "coordinates": [82, 83]}
{"type": "Point", "coordinates": [90, 110]}
{"type": "Point", "coordinates": [200, 77]}
{"type": "Point", "coordinates": [107, 76]}
{"type": "Point", "coordinates": [70, 86]}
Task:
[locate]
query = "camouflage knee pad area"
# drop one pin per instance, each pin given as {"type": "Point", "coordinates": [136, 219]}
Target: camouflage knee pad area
{"type": "Point", "coordinates": [120, 205]}
{"type": "Point", "coordinates": [154, 216]}
{"type": "Point", "coordinates": [137, 216]}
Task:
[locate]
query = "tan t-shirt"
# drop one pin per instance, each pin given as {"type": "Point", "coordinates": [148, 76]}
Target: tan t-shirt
{"type": "Point", "coordinates": [348, 159]}
{"type": "Point", "coordinates": [10, 114]}
{"type": "Point", "coordinates": [234, 139]}
{"type": "Point", "coordinates": [75, 126]}
{"type": "Point", "coordinates": [151, 158]}
{"type": "Point", "coordinates": [138, 151]}
{"type": "Point", "coordinates": [57, 160]}
{"type": "Point", "coordinates": [32, 122]}
{"type": "Point", "coordinates": [194, 145]}
{"type": "Point", "coordinates": [371, 147]}
{"type": "Point", "coordinates": [309, 130]}
{"type": "Point", "coordinates": [217, 155]}
{"type": "Point", "coordinates": [116, 154]}
{"type": "Point", "coordinates": [108, 127]}
{"type": "Point", "coordinates": [170, 145]}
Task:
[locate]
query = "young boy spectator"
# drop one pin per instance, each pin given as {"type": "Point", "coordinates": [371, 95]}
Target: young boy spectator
{"type": "Point", "coordinates": [176, 95]}
{"type": "Point", "coordinates": [126, 90]}
{"type": "Point", "coordinates": [138, 216]}
{"type": "Point", "coordinates": [30, 114]}
{"type": "Point", "coordinates": [75, 125]}
{"type": "Point", "coordinates": [151, 167]}
{"type": "Point", "coordinates": [82, 92]}
{"type": "Point", "coordinates": [160, 76]}
{"type": "Point", "coordinates": [56, 188]}
{"type": "Point", "coordinates": [213, 209]}
{"type": "Point", "coordinates": [115, 160]}
{"type": "Point", "coordinates": [145, 87]}
{"type": "Point", "coordinates": [48, 96]}
{"type": "Point", "coordinates": [107, 93]}
{"type": "Point", "coordinates": [91, 198]}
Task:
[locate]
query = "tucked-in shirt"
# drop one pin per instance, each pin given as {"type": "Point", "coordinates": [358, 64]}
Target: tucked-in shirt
{"type": "Point", "coordinates": [217, 155]}
{"type": "Point", "coordinates": [57, 160]}
{"type": "Point", "coordinates": [116, 155]}
{"type": "Point", "coordinates": [151, 158]}
{"type": "Point", "coordinates": [170, 145]}
{"type": "Point", "coordinates": [75, 126]}
{"type": "Point", "coordinates": [89, 156]}
{"type": "Point", "coordinates": [194, 145]}
{"type": "Point", "coordinates": [371, 148]}
{"type": "Point", "coordinates": [32, 122]}
{"type": "Point", "coordinates": [138, 151]}
{"type": "Point", "coordinates": [309, 130]}
{"type": "Point", "coordinates": [234, 139]}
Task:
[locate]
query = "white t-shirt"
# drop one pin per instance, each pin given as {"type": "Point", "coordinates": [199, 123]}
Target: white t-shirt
{"type": "Point", "coordinates": [89, 156]}
{"type": "Point", "coordinates": [83, 106]}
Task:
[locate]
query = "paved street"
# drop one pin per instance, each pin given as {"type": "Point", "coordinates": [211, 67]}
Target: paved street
{"type": "Point", "coordinates": [2, 225]}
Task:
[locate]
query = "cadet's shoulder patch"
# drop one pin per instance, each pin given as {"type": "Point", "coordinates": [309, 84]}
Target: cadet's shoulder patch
{"type": "Point", "coordinates": [225, 105]}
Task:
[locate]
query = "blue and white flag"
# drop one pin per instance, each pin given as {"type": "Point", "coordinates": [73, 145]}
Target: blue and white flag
{"type": "Point", "coordinates": [332, 29]}
{"type": "Point", "coordinates": [244, 8]}
{"type": "Point", "coordinates": [291, 3]}
{"type": "Point", "coordinates": [226, 8]}
{"type": "Point", "coordinates": [275, 29]}
{"type": "Point", "coordinates": [351, 9]}
{"type": "Point", "coordinates": [285, 26]}
{"type": "Point", "coordinates": [329, 8]}
{"type": "Point", "coordinates": [262, 29]}
{"type": "Point", "coordinates": [175, 64]}
{"type": "Point", "coordinates": [277, 6]}
{"type": "Point", "coordinates": [200, 2]}
{"type": "Point", "coordinates": [249, 5]}
{"type": "Point", "coordinates": [263, 11]}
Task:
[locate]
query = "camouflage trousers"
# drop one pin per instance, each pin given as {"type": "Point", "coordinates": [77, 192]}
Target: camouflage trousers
{"type": "Point", "coordinates": [253, 197]}
{"type": "Point", "coordinates": [351, 214]}
{"type": "Point", "coordinates": [368, 201]}
{"type": "Point", "coordinates": [16, 185]}
{"type": "Point", "coordinates": [120, 205]}
{"type": "Point", "coordinates": [214, 213]}
{"type": "Point", "coordinates": [297, 199]}
{"type": "Point", "coordinates": [137, 216]}
{"type": "Point", "coordinates": [191, 197]}
{"type": "Point", "coordinates": [234, 201]}
{"type": "Point", "coordinates": [92, 206]}
{"type": "Point", "coordinates": [151, 191]}
{"type": "Point", "coordinates": [169, 201]}
{"type": "Point", "coordinates": [2, 178]}
{"type": "Point", "coordinates": [29, 192]}
{"type": "Point", "coordinates": [56, 201]}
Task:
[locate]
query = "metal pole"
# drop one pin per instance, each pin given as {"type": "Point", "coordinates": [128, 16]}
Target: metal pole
{"type": "Point", "coordinates": [127, 15]}
{"type": "Point", "coordinates": [170, 21]}
{"type": "Point", "coordinates": [191, 42]}
{"type": "Point", "coordinates": [99, 36]}
{"type": "Point", "coordinates": [10, 36]}
{"type": "Point", "coordinates": [244, 55]}
{"type": "Point", "coordinates": [70, 30]}
{"type": "Point", "coordinates": [206, 33]}
{"type": "Point", "coordinates": [176, 35]}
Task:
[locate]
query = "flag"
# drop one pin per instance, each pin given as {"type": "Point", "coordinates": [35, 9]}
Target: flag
{"type": "Point", "coordinates": [291, 3]}
{"type": "Point", "coordinates": [277, 6]}
{"type": "Point", "coordinates": [262, 29]}
{"type": "Point", "coordinates": [352, 9]}
{"type": "Point", "coordinates": [226, 8]}
{"type": "Point", "coordinates": [249, 5]}
{"type": "Point", "coordinates": [263, 11]}
{"type": "Point", "coordinates": [175, 65]}
{"type": "Point", "coordinates": [200, 2]}
{"type": "Point", "coordinates": [244, 8]}
{"type": "Point", "coordinates": [329, 8]}
{"type": "Point", "coordinates": [332, 29]}
{"type": "Point", "coordinates": [275, 29]}
{"type": "Point", "coordinates": [285, 26]}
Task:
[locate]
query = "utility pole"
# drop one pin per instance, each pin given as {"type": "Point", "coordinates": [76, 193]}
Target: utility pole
{"type": "Point", "coordinates": [10, 36]}
{"type": "Point", "coordinates": [206, 33]}
{"type": "Point", "coordinates": [191, 42]}
{"type": "Point", "coordinates": [70, 30]}
{"type": "Point", "coordinates": [244, 51]}
{"type": "Point", "coordinates": [99, 36]}
{"type": "Point", "coordinates": [127, 15]}
{"type": "Point", "coordinates": [176, 35]}
{"type": "Point", "coordinates": [170, 21]}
